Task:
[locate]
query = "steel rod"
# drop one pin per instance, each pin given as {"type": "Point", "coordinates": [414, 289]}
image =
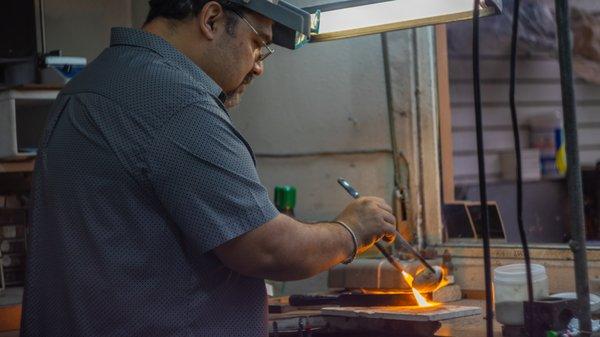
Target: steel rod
{"type": "Point", "coordinates": [574, 181]}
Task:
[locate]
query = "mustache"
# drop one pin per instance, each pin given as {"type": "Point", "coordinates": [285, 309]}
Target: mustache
{"type": "Point", "coordinates": [248, 79]}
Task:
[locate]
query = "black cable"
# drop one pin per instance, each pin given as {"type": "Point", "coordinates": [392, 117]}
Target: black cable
{"type": "Point", "coordinates": [482, 179]}
{"type": "Point", "coordinates": [517, 138]}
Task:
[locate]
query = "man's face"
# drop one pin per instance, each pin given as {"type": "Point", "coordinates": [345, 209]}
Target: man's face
{"type": "Point", "coordinates": [241, 54]}
{"type": "Point", "coordinates": [234, 97]}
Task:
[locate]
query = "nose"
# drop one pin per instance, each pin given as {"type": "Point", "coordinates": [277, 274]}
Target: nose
{"type": "Point", "coordinates": [258, 68]}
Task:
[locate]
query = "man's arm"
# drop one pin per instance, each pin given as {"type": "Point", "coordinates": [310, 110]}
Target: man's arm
{"type": "Point", "coordinates": [286, 249]}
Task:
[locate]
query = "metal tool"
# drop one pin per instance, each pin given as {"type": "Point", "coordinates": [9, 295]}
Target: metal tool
{"type": "Point", "coordinates": [354, 193]}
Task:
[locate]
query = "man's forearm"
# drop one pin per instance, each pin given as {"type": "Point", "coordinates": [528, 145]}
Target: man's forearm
{"type": "Point", "coordinates": [286, 249]}
{"type": "Point", "coordinates": [304, 250]}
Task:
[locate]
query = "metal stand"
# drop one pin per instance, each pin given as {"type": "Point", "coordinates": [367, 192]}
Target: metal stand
{"type": "Point", "coordinates": [574, 180]}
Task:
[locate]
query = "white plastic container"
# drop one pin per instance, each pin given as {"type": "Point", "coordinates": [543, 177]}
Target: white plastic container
{"type": "Point", "coordinates": [510, 290]}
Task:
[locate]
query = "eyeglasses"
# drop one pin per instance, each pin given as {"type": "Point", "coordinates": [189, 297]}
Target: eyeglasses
{"type": "Point", "coordinates": [265, 50]}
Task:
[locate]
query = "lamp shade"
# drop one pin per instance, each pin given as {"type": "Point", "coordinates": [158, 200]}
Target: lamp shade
{"type": "Point", "coordinates": [363, 17]}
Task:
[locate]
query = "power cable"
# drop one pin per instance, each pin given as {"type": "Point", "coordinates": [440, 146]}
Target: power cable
{"type": "Point", "coordinates": [482, 179]}
{"type": "Point", "coordinates": [517, 141]}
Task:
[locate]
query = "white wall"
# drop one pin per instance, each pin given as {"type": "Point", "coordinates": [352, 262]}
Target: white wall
{"type": "Point", "coordinates": [82, 27]}
{"type": "Point", "coordinates": [318, 113]}
{"type": "Point", "coordinates": [139, 11]}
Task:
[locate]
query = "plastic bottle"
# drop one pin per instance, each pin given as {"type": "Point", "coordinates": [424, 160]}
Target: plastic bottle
{"type": "Point", "coordinates": [547, 135]}
{"type": "Point", "coordinates": [285, 199]}
{"type": "Point", "coordinates": [510, 291]}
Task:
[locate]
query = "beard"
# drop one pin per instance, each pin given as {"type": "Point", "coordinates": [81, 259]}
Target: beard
{"type": "Point", "coordinates": [234, 97]}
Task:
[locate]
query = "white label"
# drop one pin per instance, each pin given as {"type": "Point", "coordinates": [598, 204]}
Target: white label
{"type": "Point", "coordinates": [270, 290]}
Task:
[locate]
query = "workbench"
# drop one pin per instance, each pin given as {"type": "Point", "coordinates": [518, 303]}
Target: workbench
{"type": "Point", "coordinates": [473, 326]}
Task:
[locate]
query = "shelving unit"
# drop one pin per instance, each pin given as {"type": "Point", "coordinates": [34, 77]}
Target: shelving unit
{"type": "Point", "coordinates": [17, 166]}
{"type": "Point", "coordinates": [23, 113]}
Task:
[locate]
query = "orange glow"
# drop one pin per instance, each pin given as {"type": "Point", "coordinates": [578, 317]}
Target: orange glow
{"type": "Point", "coordinates": [443, 283]}
{"type": "Point", "coordinates": [422, 301]}
{"type": "Point", "coordinates": [408, 278]}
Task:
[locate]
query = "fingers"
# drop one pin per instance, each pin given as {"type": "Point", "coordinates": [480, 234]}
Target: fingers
{"type": "Point", "coordinates": [390, 219]}
{"type": "Point", "coordinates": [380, 203]}
{"type": "Point", "coordinates": [371, 218]}
{"type": "Point", "coordinates": [389, 233]}
{"type": "Point", "coordinates": [388, 238]}
{"type": "Point", "coordinates": [385, 207]}
{"type": "Point", "coordinates": [388, 214]}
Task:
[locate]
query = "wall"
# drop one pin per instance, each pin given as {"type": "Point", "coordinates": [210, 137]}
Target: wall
{"type": "Point", "coordinates": [538, 92]}
{"type": "Point", "coordinates": [139, 10]}
{"type": "Point", "coordinates": [317, 114]}
{"type": "Point", "coordinates": [82, 27]}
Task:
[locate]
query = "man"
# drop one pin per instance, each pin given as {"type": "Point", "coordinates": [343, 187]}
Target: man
{"type": "Point", "coordinates": [148, 216]}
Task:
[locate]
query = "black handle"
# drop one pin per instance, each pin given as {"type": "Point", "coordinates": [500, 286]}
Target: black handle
{"type": "Point", "coordinates": [311, 300]}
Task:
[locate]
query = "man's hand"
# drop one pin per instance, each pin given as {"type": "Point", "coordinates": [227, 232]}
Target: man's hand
{"type": "Point", "coordinates": [371, 219]}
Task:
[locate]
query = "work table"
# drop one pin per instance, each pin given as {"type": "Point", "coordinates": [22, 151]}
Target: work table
{"type": "Point", "coordinates": [473, 326]}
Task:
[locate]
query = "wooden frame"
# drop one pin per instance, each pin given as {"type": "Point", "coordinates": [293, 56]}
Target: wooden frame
{"type": "Point", "coordinates": [445, 114]}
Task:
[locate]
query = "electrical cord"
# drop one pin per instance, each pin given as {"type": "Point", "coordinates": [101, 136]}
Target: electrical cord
{"type": "Point", "coordinates": [482, 179]}
{"type": "Point", "coordinates": [517, 140]}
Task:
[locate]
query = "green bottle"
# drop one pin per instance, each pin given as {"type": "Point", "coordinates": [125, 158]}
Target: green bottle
{"type": "Point", "coordinates": [285, 199]}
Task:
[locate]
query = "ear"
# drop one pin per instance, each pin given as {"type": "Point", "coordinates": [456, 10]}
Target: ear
{"type": "Point", "coordinates": [210, 17]}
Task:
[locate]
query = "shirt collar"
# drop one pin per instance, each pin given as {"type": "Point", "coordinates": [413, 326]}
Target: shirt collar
{"type": "Point", "coordinates": [140, 38]}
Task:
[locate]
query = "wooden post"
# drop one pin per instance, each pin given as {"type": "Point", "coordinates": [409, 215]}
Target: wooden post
{"type": "Point", "coordinates": [445, 113]}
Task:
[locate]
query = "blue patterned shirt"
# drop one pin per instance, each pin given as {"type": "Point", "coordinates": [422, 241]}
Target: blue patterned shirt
{"type": "Point", "coordinates": [139, 176]}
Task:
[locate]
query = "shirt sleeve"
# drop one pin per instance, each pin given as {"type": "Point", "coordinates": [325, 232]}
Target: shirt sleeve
{"type": "Point", "coordinates": [204, 175]}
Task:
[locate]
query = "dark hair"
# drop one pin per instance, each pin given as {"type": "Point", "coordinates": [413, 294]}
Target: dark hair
{"type": "Point", "coordinates": [185, 9]}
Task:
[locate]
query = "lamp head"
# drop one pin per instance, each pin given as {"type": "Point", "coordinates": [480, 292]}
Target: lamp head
{"type": "Point", "coordinates": [291, 25]}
